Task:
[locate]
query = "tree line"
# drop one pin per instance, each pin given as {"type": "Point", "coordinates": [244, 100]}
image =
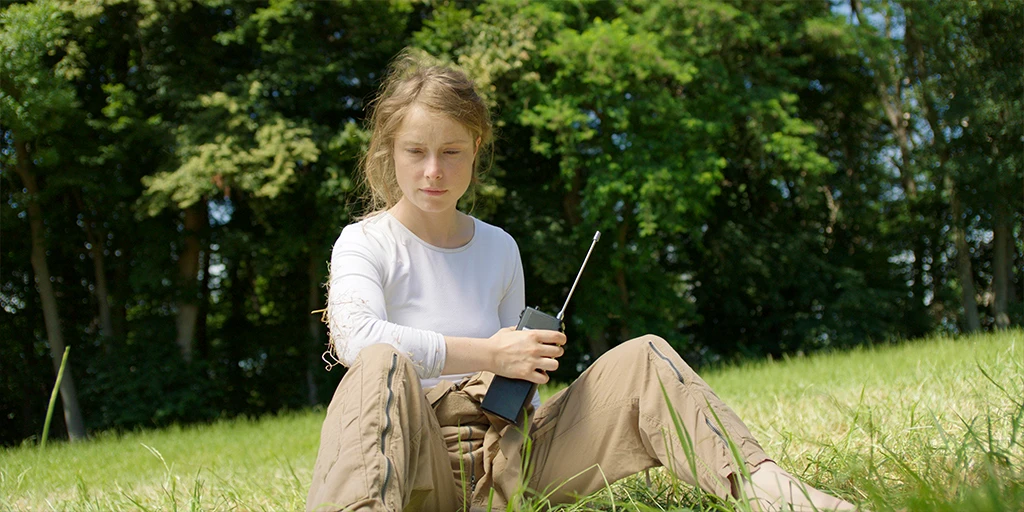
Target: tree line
{"type": "Point", "coordinates": [772, 178]}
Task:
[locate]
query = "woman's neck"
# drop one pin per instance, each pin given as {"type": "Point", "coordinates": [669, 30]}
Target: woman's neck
{"type": "Point", "coordinates": [449, 230]}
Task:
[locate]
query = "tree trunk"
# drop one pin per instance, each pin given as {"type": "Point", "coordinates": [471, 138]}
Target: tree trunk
{"type": "Point", "coordinates": [315, 301]}
{"type": "Point", "coordinates": [202, 343]}
{"type": "Point", "coordinates": [1001, 267]}
{"type": "Point", "coordinates": [572, 198]}
{"type": "Point", "coordinates": [101, 291]}
{"type": "Point", "coordinates": [1013, 262]}
{"type": "Point", "coordinates": [965, 273]}
{"type": "Point", "coordinates": [51, 317]}
{"type": "Point", "coordinates": [188, 273]}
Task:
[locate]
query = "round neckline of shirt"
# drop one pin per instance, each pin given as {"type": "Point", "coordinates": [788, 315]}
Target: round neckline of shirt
{"type": "Point", "coordinates": [414, 236]}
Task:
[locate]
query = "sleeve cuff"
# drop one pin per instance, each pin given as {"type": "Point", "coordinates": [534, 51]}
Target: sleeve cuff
{"type": "Point", "coordinates": [435, 359]}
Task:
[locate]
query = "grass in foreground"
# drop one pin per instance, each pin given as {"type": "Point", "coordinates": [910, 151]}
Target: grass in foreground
{"type": "Point", "coordinates": [929, 425]}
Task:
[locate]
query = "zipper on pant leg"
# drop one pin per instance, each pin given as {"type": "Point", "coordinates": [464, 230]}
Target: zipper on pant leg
{"type": "Point", "coordinates": [667, 360]}
{"type": "Point", "coordinates": [387, 425]}
{"type": "Point", "coordinates": [715, 430]}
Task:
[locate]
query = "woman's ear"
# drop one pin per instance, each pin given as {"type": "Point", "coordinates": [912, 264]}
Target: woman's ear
{"type": "Point", "coordinates": [477, 148]}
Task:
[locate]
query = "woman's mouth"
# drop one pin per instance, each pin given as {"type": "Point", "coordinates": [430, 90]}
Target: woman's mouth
{"type": "Point", "coordinates": [433, 191]}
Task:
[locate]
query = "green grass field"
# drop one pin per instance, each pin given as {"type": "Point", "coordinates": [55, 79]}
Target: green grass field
{"type": "Point", "coordinates": [927, 425]}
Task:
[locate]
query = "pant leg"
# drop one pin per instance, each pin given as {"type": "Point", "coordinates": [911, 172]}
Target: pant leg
{"type": "Point", "coordinates": [381, 446]}
{"type": "Point", "coordinates": [615, 417]}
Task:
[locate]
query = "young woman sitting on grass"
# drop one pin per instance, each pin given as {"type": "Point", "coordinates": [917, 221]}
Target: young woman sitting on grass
{"type": "Point", "coordinates": [423, 300]}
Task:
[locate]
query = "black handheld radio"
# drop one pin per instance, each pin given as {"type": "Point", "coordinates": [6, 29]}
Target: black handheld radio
{"type": "Point", "coordinates": [508, 397]}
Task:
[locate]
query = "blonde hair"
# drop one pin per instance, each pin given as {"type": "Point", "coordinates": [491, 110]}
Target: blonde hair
{"type": "Point", "coordinates": [411, 80]}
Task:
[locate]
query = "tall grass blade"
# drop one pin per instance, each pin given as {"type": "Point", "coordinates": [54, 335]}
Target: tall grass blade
{"type": "Point", "coordinates": [53, 397]}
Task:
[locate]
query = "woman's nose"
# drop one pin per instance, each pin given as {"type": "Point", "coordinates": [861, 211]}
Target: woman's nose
{"type": "Point", "coordinates": [432, 171]}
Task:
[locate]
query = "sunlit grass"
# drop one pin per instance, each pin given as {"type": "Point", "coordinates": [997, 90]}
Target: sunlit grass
{"type": "Point", "coordinates": [929, 425]}
{"type": "Point", "coordinates": [917, 424]}
{"type": "Point", "coordinates": [240, 464]}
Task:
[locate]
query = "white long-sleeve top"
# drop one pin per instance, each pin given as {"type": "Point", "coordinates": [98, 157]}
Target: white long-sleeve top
{"type": "Point", "coordinates": [389, 286]}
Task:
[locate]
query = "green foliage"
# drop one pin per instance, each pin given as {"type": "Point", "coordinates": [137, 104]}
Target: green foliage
{"type": "Point", "coordinates": [225, 148]}
{"type": "Point", "coordinates": [39, 62]}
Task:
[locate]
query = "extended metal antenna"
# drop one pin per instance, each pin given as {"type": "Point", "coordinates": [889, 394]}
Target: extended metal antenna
{"type": "Point", "coordinates": [561, 314]}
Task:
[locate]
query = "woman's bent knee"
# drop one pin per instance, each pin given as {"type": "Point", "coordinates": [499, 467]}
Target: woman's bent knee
{"type": "Point", "coordinates": [650, 344]}
{"type": "Point", "coordinates": [636, 346]}
{"type": "Point", "coordinates": [643, 345]}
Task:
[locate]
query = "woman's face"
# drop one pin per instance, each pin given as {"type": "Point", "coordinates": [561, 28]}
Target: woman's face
{"type": "Point", "coordinates": [433, 160]}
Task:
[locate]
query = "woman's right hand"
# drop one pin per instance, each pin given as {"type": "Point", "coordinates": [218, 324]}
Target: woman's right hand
{"type": "Point", "coordinates": [527, 354]}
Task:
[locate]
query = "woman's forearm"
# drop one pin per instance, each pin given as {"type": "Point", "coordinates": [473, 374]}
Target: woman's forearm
{"type": "Point", "coordinates": [468, 355]}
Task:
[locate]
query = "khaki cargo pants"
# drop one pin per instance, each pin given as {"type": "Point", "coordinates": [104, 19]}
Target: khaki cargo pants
{"type": "Point", "coordinates": [387, 445]}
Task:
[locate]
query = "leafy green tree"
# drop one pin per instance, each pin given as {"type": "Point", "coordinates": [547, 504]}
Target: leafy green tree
{"type": "Point", "coordinates": [780, 267]}
{"type": "Point", "coordinates": [37, 98]}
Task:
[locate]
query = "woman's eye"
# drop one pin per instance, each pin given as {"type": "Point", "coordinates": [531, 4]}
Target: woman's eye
{"type": "Point", "coordinates": [413, 151]}
{"type": "Point", "coordinates": [452, 152]}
